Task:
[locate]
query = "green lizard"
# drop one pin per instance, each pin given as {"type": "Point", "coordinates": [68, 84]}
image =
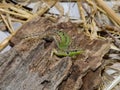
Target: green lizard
{"type": "Point", "coordinates": [62, 40]}
{"type": "Point", "coordinates": [63, 45]}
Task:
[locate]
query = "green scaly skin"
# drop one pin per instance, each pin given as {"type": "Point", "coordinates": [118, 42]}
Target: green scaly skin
{"type": "Point", "coordinates": [65, 40]}
{"type": "Point", "coordinates": [63, 46]}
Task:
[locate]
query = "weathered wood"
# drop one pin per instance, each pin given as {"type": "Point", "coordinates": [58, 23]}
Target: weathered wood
{"type": "Point", "coordinates": [29, 65]}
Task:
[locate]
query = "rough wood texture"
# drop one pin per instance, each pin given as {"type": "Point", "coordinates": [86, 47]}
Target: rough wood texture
{"type": "Point", "coordinates": [28, 65]}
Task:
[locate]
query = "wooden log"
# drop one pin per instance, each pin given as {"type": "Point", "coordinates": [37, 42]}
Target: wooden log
{"type": "Point", "coordinates": [29, 65]}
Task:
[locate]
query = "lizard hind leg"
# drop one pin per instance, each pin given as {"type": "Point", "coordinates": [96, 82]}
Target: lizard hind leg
{"type": "Point", "coordinates": [53, 52]}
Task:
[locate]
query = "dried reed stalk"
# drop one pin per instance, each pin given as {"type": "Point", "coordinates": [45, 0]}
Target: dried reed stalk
{"type": "Point", "coordinates": [5, 42]}
{"type": "Point", "coordinates": [59, 8]}
{"type": "Point", "coordinates": [109, 11]}
{"type": "Point", "coordinates": [6, 23]}
{"type": "Point", "coordinates": [13, 13]}
{"type": "Point", "coordinates": [47, 5]}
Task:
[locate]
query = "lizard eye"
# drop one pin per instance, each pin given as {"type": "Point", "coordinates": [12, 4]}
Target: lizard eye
{"type": "Point", "coordinates": [75, 50]}
{"type": "Point", "coordinates": [67, 52]}
{"type": "Point", "coordinates": [48, 39]}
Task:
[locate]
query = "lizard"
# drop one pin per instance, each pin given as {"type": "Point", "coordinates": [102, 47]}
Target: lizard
{"type": "Point", "coordinates": [62, 41]}
{"type": "Point", "coordinates": [63, 46]}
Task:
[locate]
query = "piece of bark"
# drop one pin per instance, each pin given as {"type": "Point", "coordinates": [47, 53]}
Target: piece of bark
{"type": "Point", "coordinates": [37, 25]}
{"type": "Point", "coordinates": [91, 80]}
{"type": "Point", "coordinates": [29, 65]}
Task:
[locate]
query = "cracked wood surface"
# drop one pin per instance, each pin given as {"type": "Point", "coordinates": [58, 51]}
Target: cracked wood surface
{"type": "Point", "coordinates": [29, 65]}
